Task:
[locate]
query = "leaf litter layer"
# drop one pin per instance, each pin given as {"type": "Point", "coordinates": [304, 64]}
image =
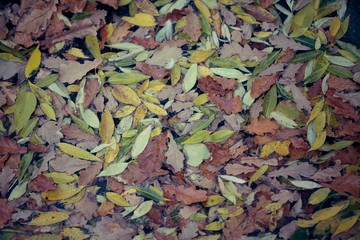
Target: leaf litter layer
{"type": "Point", "coordinates": [178, 119]}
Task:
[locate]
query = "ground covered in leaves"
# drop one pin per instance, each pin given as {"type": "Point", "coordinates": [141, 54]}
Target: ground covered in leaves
{"type": "Point", "coordinates": [204, 119]}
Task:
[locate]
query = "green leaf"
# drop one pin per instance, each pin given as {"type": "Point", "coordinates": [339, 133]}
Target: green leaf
{"type": "Point", "coordinates": [82, 125]}
{"type": "Point", "coordinates": [340, 71]}
{"type": "Point", "coordinates": [190, 78]}
{"type": "Point", "coordinates": [196, 153]}
{"type": "Point", "coordinates": [93, 45]}
{"type": "Point", "coordinates": [90, 118]}
{"type": "Point", "coordinates": [114, 169]}
{"type": "Point", "coordinates": [226, 62]}
{"type": "Point", "coordinates": [24, 106]}
{"type": "Point", "coordinates": [142, 209]}
{"type": "Point", "coordinates": [226, 72]}
{"type": "Point", "coordinates": [283, 93]}
{"type": "Point", "coordinates": [269, 60]}
{"type": "Point", "coordinates": [340, 145]}
{"type": "Point", "coordinates": [197, 137]}
{"type": "Point", "coordinates": [127, 78]}
{"type": "Point", "coordinates": [18, 191]}
{"type": "Point", "coordinates": [343, 28]}
{"type": "Point", "coordinates": [270, 101]}
{"type": "Point", "coordinates": [220, 136]}
{"type": "Point", "coordinates": [314, 76]}
{"type": "Point", "coordinates": [203, 124]}
{"type": "Point", "coordinates": [306, 56]}
{"type": "Point", "coordinates": [141, 142]}
{"type": "Point", "coordinates": [149, 193]}
{"type": "Point", "coordinates": [283, 120]}
{"type": "Point", "coordinates": [24, 164]}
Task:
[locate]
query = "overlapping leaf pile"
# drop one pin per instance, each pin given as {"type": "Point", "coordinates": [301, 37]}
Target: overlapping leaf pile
{"type": "Point", "coordinates": [138, 119]}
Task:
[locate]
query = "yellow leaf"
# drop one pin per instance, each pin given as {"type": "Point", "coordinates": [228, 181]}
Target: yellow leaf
{"type": "Point", "coordinates": [77, 197]}
{"type": "Point", "coordinates": [201, 99]}
{"type": "Point", "coordinates": [204, 71]}
{"type": "Point", "coordinates": [203, 9]}
{"type": "Point", "coordinates": [175, 74]}
{"type": "Point", "coordinates": [40, 94]}
{"type": "Point", "coordinates": [73, 88]}
{"type": "Point", "coordinates": [316, 110]}
{"type": "Point", "coordinates": [335, 26]}
{"type": "Point", "coordinates": [197, 137]}
{"type": "Point", "coordinates": [248, 18]}
{"type": "Point", "coordinates": [147, 7]}
{"type": "Point", "coordinates": [326, 213]}
{"type": "Point", "coordinates": [59, 177]}
{"type": "Point", "coordinates": [215, 226]}
{"type": "Point", "coordinates": [258, 174]}
{"type": "Point", "coordinates": [319, 195]}
{"type": "Point", "coordinates": [77, 152]}
{"type": "Point", "coordinates": [265, 152]}
{"type": "Point", "coordinates": [92, 44]}
{"type": "Point", "coordinates": [144, 86]}
{"type": "Point", "coordinates": [319, 141]}
{"type": "Point", "coordinates": [319, 122]}
{"type": "Point", "coordinates": [155, 132]}
{"type": "Point", "coordinates": [210, 237]}
{"type": "Point", "coordinates": [149, 98]}
{"type": "Point", "coordinates": [48, 110]}
{"type": "Point", "coordinates": [63, 191]}
{"type": "Point", "coordinates": [273, 206]}
{"type": "Point", "coordinates": [306, 223]}
{"type": "Point", "coordinates": [139, 114]}
{"type": "Point", "coordinates": [126, 95]}
{"type": "Point", "coordinates": [213, 200]}
{"type": "Point", "coordinates": [110, 29]}
{"type": "Point", "coordinates": [77, 52]}
{"type": "Point", "coordinates": [10, 57]}
{"type": "Point", "coordinates": [262, 34]}
{"type": "Point", "coordinates": [48, 218]}
{"type": "Point", "coordinates": [74, 233]}
{"type": "Point", "coordinates": [281, 148]}
{"type": "Point", "coordinates": [117, 199]}
{"type": "Point", "coordinates": [200, 56]}
{"type": "Point", "coordinates": [238, 211]}
{"type": "Point", "coordinates": [33, 63]}
{"type": "Point", "coordinates": [346, 224]}
{"type": "Point", "coordinates": [141, 19]}
{"type": "Point", "coordinates": [155, 109]}
{"type": "Point", "coordinates": [124, 111]}
{"type": "Point", "coordinates": [106, 128]}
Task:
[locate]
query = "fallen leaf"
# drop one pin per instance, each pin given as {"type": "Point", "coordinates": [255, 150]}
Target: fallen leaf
{"type": "Point", "coordinates": [174, 156]}
{"type": "Point", "coordinates": [71, 71]}
{"type": "Point", "coordinates": [187, 195]}
{"type": "Point", "coordinates": [262, 126]}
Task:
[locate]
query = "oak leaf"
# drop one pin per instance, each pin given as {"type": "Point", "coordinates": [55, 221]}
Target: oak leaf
{"type": "Point", "coordinates": [262, 126]}
{"type": "Point", "coordinates": [8, 146]}
{"type": "Point", "coordinates": [193, 27]}
{"type": "Point", "coordinates": [229, 104]}
{"type": "Point", "coordinates": [5, 212]}
{"type": "Point", "coordinates": [295, 171]}
{"type": "Point", "coordinates": [71, 71]}
{"type": "Point", "coordinates": [281, 41]}
{"type": "Point", "coordinates": [42, 184]}
{"type": "Point", "coordinates": [261, 85]}
{"type": "Point", "coordinates": [187, 195]}
{"type": "Point", "coordinates": [350, 182]}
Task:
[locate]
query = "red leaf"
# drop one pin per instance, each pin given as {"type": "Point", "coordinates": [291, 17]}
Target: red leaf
{"type": "Point", "coordinates": [174, 16]}
{"type": "Point", "coordinates": [265, 125]}
{"type": "Point", "coordinates": [8, 146]}
{"type": "Point", "coordinates": [342, 84]}
{"type": "Point", "coordinates": [347, 183]}
{"type": "Point", "coordinates": [5, 212]}
{"type": "Point", "coordinates": [92, 87]}
{"type": "Point", "coordinates": [341, 107]}
{"type": "Point", "coordinates": [41, 184]}
{"type": "Point", "coordinates": [287, 56]}
{"type": "Point", "coordinates": [216, 85]}
{"type": "Point", "coordinates": [111, 3]}
{"type": "Point", "coordinates": [261, 85]}
{"type": "Point", "coordinates": [229, 104]}
{"type": "Point", "coordinates": [187, 195]}
{"type": "Point", "coordinates": [148, 43]}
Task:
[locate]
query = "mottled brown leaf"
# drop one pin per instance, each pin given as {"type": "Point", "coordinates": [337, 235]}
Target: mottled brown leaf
{"type": "Point", "coordinates": [262, 126]}
{"type": "Point", "coordinates": [229, 104]}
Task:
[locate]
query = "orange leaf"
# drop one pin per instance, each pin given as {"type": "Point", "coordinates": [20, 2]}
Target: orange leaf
{"type": "Point", "coordinates": [261, 85]}
{"type": "Point", "coordinates": [261, 127]}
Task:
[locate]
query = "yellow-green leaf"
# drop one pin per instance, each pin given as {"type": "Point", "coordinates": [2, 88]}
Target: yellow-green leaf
{"type": "Point", "coordinates": [335, 26]}
{"type": "Point", "coordinates": [220, 136]}
{"type": "Point", "coordinates": [281, 148]}
{"type": "Point", "coordinates": [319, 122]}
{"type": "Point", "coordinates": [77, 52]}
{"type": "Point", "coordinates": [197, 137]}
{"type": "Point", "coordinates": [155, 109]}
{"type": "Point", "coordinates": [40, 94]}
{"type": "Point", "coordinates": [346, 224]}
{"type": "Point", "coordinates": [48, 218]}
{"type": "Point", "coordinates": [175, 74]}
{"type": "Point", "coordinates": [151, 194]}
{"type": "Point", "coordinates": [107, 126]}
{"type": "Point", "coordinates": [247, 18]}
{"type": "Point", "coordinates": [326, 213]}
{"type": "Point", "coordinates": [117, 199]}
{"type": "Point", "coordinates": [200, 56]}
{"type": "Point", "coordinates": [59, 177]}
{"type": "Point", "coordinates": [306, 223]}
{"type": "Point", "coordinates": [48, 110]}
{"type": "Point", "coordinates": [215, 226]}
{"type": "Point", "coordinates": [124, 111]}
{"type": "Point", "coordinates": [77, 152]}
{"type": "Point", "coordinates": [258, 174]}
{"type": "Point", "coordinates": [127, 78]}
{"type": "Point", "coordinates": [319, 195]}
{"type": "Point", "coordinates": [319, 141]}
{"type": "Point", "coordinates": [24, 106]}
{"type": "Point", "coordinates": [270, 101]}
{"type": "Point", "coordinates": [10, 57]}
{"type": "Point", "coordinates": [190, 78]}
{"type": "Point", "coordinates": [141, 142]}
{"type": "Point", "coordinates": [126, 95]}
{"type": "Point", "coordinates": [316, 110]}
{"type": "Point", "coordinates": [340, 145]}
{"type": "Point", "coordinates": [33, 63]}
{"type": "Point", "coordinates": [63, 191]}
{"type": "Point", "coordinates": [141, 19]}
{"type": "Point", "coordinates": [92, 44]}
{"type": "Point", "coordinates": [213, 200]}
{"type": "Point", "coordinates": [74, 233]}
{"type": "Point", "coordinates": [142, 209]}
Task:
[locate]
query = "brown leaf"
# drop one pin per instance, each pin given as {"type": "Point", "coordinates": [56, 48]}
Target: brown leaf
{"type": "Point", "coordinates": [295, 171]}
{"type": "Point", "coordinates": [287, 56]}
{"type": "Point", "coordinates": [24, 39]}
{"type": "Point", "coordinates": [71, 71]}
{"type": "Point", "coordinates": [106, 208]}
{"type": "Point", "coordinates": [262, 85]}
{"type": "Point", "coordinates": [266, 3]}
{"type": "Point", "coordinates": [48, 132]}
{"type": "Point", "coordinates": [350, 183]}
{"type": "Point", "coordinates": [245, 53]}
{"type": "Point", "coordinates": [327, 174]}
{"type": "Point", "coordinates": [68, 164]}
{"type": "Point", "coordinates": [300, 99]}
{"type": "Point", "coordinates": [88, 175]}
{"type": "Point", "coordinates": [262, 126]}
{"type": "Point", "coordinates": [187, 195]}
{"type": "Point", "coordinates": [3, 29]}
{"type": "Point", "coordinates": [42, 184]}
{"type": "Point", "coordinates": [342, 84]}
{"type": "Point", "coordinates": [259, 13]}
{"type": "Point", "coordinates": [120, 32]}
{"type": "Point", "coordinates": [75, 6]}
{"type": "Point", "coordinates": [174, 16]}
{"type": "Point", "coordinates": [6, 175]}
{"type": "Point", "coordinates": [72, 131]}
{"type": "Point", "coordinates": [341, 107]}
{"type": "Point", "coordinates": [165, 55]}
{"type": "Point", "coordinates": [230, 105]}
{"type": "Point", "coordinates": [87, 205]}
{"type": "Point", "coordinates": [193, 27]}
{"type": "Point", "coordinates": [8, 69]}
{"type": "Point", "coordinates": [174, 156]}
{"type": "Point", "coordinates": [236, 169]}
{"type": "Point", "coordinates": [5, 212]}
{"type": "Point", "coordinates": [91, 88]}
{"type": "Point", "coordinates": [148, 43]}
{"type": "Point", "coordinates": [281, 41]}
{"type": "Point", "coordinates": [111, 3]}
{"type": "Point", "coordinates": [38, 18]}
{"type": "Point", "coordinates": [152, 70]}
{"type": "Point", "coordinates": [8, 146]}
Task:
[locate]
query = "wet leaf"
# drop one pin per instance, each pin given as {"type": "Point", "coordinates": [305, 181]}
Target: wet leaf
{"type": "Point", "coordinates": [106, 128]}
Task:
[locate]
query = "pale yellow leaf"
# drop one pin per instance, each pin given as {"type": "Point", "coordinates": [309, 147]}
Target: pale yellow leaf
{"type": "Point", "coordinates": [77, 52]}
{"type": "Point", "coordinates": [77, 152]}
{"type": "Point", "coordinates": [155, 109]}
{"type": "Point", "coordinates": [142, 209]}
{"type": "Point", "coordinates": [48, 218]}
{"type": "Point", "coordinates": [124, 111]}
{"type": "Point", "coordinates": [200, 56]}
{"type": "Point", "coordinates": [117, 199]}
{"type": "Point", "coordinates": [63, 191]}
{"type": "Point", "coordinates": [319, 195]}
{"type": "Point", "coordinates": [141, 19]}
{"type": "Point", "coordinates": [126, 95]}
{"type": "Point", "coordinates": [48, 110]}
{"type": "Point", "coordinates": [326, 213]}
